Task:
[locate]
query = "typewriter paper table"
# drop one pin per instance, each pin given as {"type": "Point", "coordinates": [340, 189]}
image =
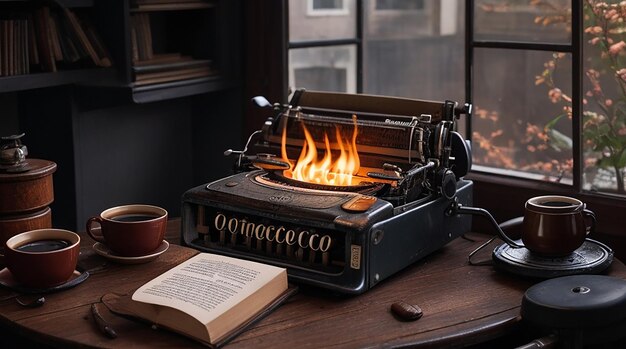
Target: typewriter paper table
{"type": "Point", "coordinates": [462, 305]}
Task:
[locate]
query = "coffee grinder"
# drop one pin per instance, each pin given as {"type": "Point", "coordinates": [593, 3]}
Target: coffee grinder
{"type": "Point", "coordinates": [26, 189]}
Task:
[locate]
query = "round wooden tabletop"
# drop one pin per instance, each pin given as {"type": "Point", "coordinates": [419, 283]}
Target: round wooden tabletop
{"type": "Point", "coordinates": [462, 305]}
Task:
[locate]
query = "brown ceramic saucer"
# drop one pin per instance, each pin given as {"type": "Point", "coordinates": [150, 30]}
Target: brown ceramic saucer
{"type": "Point", "coordinates": [105, 252]}
{"type": "Point", "coordinates": [7, 280]}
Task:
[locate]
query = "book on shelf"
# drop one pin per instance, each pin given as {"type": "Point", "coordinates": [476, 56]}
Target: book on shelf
{"type": "Point", "coordinates": [82, 37]}
{"type": "Point", "coordinates": [54, 37]}
{"type": "Point", "coordinates": [155, 2]}
{"type": "Point", "coordinates": [167, 76]}
{"type": "Point", "coordinates": [14, 45]}
{"type": "Point", "coordinates": [167, 67]}
{"type": "Point", "coordinates": [209, 298]}
{"type": "Point", "coordinates": [141, 36]}
{"type": "Point", "coordinates": [181, 62]}
{"type": "Point", "coordinates": [166, 5]}
{"type": "Point", "coordinates": [33, 49]}
{"type": "Point", "coordinates": [178, 73]}
{"type": "Point", "coordinates": [42, 28]}
{"type": "Point", "coordinates": [68, 40]}
{"type": "Point", "coordinates": [162, 58]}
{"type": "Point", "coordinates": [94, 38]}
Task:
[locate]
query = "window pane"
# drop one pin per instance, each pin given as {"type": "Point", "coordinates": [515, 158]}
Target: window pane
{"type": "Point", "coordinates": [415, 54]}
{"type": "Point", "coordinates": [520, 123]}
{"type": "Point", "coordinates": [604, 104]}
{"type": "Point", "coordinates": [327, 4]}
{"type": "Point", "coordinates": [323, 68]}
{"type": "Point", "coordinates": [534, 21]}
{"type": "Point", "coordinates": [399, 4]}
{"type": "Point", "coordinates": [322, 20]}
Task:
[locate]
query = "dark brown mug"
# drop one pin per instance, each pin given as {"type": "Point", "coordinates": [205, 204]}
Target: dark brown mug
{"type": "Point", "coordinates": [555, 225]}
{"type": "Point", "coordinates": [42, 258]}
{"type": "Point", "coordinates": [129, 230]}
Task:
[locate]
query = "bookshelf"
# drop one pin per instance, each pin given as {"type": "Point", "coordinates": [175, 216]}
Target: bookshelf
{"type": "Point", "coordinates": [44, 44]}
{"type": "Point", "coordinates": [167, 49]}
{"type": "Point", "coordinates": [146, 50]}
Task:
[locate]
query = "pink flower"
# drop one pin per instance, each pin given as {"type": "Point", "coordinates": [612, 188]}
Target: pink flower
{"type": "Point", "coordinates": [617, 48]}
{"type": "Point", "coordinates": [555, 95]}
{"type": "Point", "coordinates": [594, 30]}
{"type": "Point", "coordinates": [610, 13]}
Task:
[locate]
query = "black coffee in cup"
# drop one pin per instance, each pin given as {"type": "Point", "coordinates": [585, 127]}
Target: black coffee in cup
{"type": "Point", "coordinates": [134, 217]}
{"type": "Point", "coordinates": [44, 245]}
{"type": "Point", "coordinates": [556, 203]}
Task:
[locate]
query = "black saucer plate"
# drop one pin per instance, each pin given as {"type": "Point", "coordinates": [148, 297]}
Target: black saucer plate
{"type": "Point", "coordinates": [7, 280]}
{"type": "Point", "coordinates": [591, 257]}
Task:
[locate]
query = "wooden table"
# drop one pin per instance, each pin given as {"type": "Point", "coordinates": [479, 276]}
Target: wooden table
{"type": "Point", "coordinates": [462, 305]}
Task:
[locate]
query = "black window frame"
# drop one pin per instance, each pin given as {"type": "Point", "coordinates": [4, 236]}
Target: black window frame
{"type": "Point", "coordinates": [574, 48]}
{"type": "Point", "coordinates": [503, 195]}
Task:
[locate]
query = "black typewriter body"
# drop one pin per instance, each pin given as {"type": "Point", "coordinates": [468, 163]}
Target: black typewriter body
{"type": "Point", "coordinates": [345, 238]}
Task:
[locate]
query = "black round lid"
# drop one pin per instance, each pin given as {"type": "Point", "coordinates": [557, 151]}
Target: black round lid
{"type": "Point", "coordinates": [575, 302]}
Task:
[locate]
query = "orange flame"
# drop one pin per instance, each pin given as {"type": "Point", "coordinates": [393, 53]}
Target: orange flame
{"type": "Point", "coordinates": [328, 171]}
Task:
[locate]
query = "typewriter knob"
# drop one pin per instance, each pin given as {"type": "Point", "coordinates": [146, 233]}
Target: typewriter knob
{"type": "Point", "coordinates": [447, 183]}
{"type": "Point", "coordinates": [461, 156]}
{"type": "Point", "coordinates": [465, 109]}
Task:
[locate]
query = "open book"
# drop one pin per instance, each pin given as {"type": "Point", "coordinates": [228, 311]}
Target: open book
{"type": "Point", "coordinates": [210, 297]}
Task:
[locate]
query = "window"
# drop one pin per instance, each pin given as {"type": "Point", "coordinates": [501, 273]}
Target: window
{"type": "Point", "coordinates": [531, 129]}
{"type": "Point", "coordinates": [400, 5]}
{"type": "Point", "coordinates": [405, 48]}
{"type": "Point", "coordinates": [326, 7]}
{"type": "Point", "coordinates": [327, 4]}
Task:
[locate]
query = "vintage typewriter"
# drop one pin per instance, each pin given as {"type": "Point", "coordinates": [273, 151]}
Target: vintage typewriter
{"type": "Point", "coordinates": [343, 190]}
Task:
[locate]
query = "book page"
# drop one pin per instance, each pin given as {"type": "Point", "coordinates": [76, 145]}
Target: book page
{"type": "Point", "coordinates": [206, 285]}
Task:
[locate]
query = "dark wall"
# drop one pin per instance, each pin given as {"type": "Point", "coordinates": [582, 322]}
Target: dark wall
{"type": "Point", "coordinates": [217, 125]}
{"type": "Point", "coordinates": [132, 154]}
{"type": "Point", "coordinates": [45, 115]}
{"type": "Point", "coordinates": [125, 153]}
{"type": "Point", "coordinates": [9, 124]}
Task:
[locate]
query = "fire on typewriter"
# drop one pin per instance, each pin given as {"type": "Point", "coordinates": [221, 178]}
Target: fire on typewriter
{"type": "Point", "coordinates": [342, 189]}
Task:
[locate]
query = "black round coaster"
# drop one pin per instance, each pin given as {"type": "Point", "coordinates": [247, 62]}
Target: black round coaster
{"type": "Point", "coordinates": [591, 257]}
